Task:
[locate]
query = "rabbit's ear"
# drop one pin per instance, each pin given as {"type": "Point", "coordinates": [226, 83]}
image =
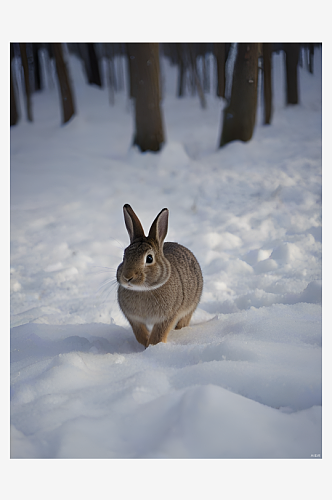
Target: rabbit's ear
{"type": "Point", "coordinates": [159, 227]}
{"type": "Point", "coordinates": [133, 225]}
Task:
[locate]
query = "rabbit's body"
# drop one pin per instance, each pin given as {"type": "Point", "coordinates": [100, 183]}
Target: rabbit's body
{"type": "Point", "coordinates": [159, 284]}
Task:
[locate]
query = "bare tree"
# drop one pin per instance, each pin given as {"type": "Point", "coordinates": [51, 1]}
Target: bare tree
{"type": "Point", "coordinates": [240, 114]}
{"type": "Point", "coordinates": [36, 66]}
{"type": "Point", "coordinates": [267, 71]}
{"type": "Point", "coordinates": [66, 94]}
{"type": "Point", "coordinates": [220, 55]}
{"type": "Point", "coordinates": [13, 105]}
{"type": "Point", "coordinates": [93, 74]}
{"type": "Point", "coordinates": [149, 133]}
{"type": "Point", "coordinates": [311, 57]}
{"type": "Point", "coordinates": [292, 51]}
{"type": "Point", "coordinates": [182, 69]}
{"type": "Point", "coordinates": [25, 65]}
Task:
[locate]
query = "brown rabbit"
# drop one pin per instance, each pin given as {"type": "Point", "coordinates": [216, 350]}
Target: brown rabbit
{"type": "Point", "coordinates": [160, 284]}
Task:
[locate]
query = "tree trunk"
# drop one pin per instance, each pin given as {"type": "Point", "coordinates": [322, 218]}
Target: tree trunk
{"type": "Point", "coordinates": [13, 106]}
{"type": "Point", "coordinates": [67, 99]}
{"type": "Point", "coordinates": [25, 65]}
{"type": "Point", "coordinates": [182, 70]}
{"type": "Point", "coordinates": [311, 57]}
{"type": "Point", "coordinates": [239, 116]}
{"type": "Point", "coordinates": [267, 55]}
{"type": "Point", "coordinates": [292, 51]}
{"type": "Point", "coordinates": [36, 65]}
{"type": "Point", "coordinates": [220, 55]}
{"type": "Point", "coordinates": [149, 134]}
{"type": "Point", "coordinates": [94, 74]}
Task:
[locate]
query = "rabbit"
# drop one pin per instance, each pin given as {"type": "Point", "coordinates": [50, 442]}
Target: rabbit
{"type": "Point", "coordinates": [159, 283]}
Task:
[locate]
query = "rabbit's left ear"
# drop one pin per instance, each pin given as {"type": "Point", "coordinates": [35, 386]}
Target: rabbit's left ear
{"type": "Point", "coordinates": [133, 225]}
{"type": "Point", "coordinates": [159, 227]}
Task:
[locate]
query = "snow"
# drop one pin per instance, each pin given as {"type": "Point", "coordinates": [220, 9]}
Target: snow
{"type": "Point", "coordinates": [244, 380]}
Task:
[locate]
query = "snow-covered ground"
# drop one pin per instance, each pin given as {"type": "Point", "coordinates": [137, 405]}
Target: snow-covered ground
{"type": "Point", "coordinates": [244, 380]}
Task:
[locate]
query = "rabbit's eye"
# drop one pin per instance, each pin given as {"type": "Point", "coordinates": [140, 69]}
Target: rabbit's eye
{"type": "Point", "coordinates": [149, 259]}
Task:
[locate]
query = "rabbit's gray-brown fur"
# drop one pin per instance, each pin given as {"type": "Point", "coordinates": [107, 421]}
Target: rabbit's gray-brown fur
{"type": "Point", "coordinates": [160, 284]}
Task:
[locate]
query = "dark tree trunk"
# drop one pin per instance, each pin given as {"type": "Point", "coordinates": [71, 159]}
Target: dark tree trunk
{"type": "Point", "coordinates": [25, 65]}
{"type": "Point", "coordinates": [13, 106]}
{"type": "Point", "coordinates": [36, 65]}
{"type": "Point", "coordinates": [220, 55]}
{"type": "Point", "coordinates": [311, 58]}
{"type": "Point", "coordinates": [240, 115]}
{"type": "Point", "coordinates": [94, 74]}
{"type": "Point", "coordinates": [292, 51]}
{"type": "Point", "coordinates": [182, 70]}
{"type": "Point", "coordinates": [88, 55]}
{"type": "Point", "coordinates": [66, 94]}
{"type": "Point", "coordinates": [181, 79]}
{"type": "Point", "coordinates": [49, 49]}
{"type": "Point", "coordinates": [267, 69]}
{"type": "Point", "coordinates": [149, 134]}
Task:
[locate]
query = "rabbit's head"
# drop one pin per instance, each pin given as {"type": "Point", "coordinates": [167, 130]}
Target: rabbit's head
{"type": "Point", "coordinates": [144, 265]}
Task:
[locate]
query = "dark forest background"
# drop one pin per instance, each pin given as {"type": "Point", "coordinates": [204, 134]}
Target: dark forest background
{"type": "Point", "coordinates": [143, 81]}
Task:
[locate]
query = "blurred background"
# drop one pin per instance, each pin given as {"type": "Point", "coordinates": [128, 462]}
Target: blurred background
{"type": "Point", "coordinates": [202, 69]}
